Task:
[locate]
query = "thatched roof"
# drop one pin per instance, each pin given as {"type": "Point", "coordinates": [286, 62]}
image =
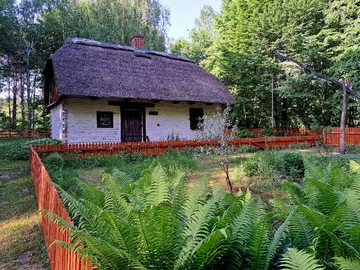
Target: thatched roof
{"type": "Point", "coordinates": [98, 69]}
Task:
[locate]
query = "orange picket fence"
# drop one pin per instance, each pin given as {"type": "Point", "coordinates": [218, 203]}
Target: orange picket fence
{"type": "Point", "coordinates": [48, 199]}
{"type": "Point", "coordinates": [156, 148]}
{"type": "Point", "coordinates": [24, 133]}
{"type": "Point", "coordinates": [332, 137]}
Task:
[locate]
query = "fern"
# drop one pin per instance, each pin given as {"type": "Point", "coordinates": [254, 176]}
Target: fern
{"type": "Point", "coordinates": [294, 259]}
{"type": "Point", "coordinates": [278, 238]}
{"type": "Point", "coordinates": [159, 188]}
{"type": "Point", "coordinates": [347, 264]}
{"type": "Point", "coordinates": [197, 229]}
{"type": "Point", "coordinates": [295, 192]}
{"type": "Point", "coordinates": [315, 172]}
{"type": "Point", "coordinates": [321, 195]}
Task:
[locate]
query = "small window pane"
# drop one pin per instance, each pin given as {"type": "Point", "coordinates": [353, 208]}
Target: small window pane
{"type": "Point", "coordinates": [105, 119]}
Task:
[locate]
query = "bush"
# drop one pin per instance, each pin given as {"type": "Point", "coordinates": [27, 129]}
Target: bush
{"type": "Point", "coordinates": [352, 149]}
{"type": "Point", "coordinates": [293, 164]}
{"type": "Point", "coordinates": [275, 163]}
{"type": "Point", "coordinates": [252, 166]}
{"type": "Point", "coordinates": [54, 161]}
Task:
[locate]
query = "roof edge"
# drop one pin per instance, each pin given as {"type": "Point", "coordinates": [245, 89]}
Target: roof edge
{"type": "Point", "coordinates": [107, 45]}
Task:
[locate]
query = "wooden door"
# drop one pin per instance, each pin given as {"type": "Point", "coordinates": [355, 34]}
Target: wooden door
{"type": "Point", "coordinates": [132, 125]}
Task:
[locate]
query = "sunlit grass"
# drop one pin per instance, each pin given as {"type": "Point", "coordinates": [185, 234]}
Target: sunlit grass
{"type": "Point", "coordinates": [21, 239]}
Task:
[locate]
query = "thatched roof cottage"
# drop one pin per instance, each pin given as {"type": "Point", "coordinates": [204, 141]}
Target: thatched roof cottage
{"type": "Point", "coordinates": [102, 92]}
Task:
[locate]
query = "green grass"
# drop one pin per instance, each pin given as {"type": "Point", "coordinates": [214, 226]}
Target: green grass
{"type": "Point", "coordinates": [22, 244]}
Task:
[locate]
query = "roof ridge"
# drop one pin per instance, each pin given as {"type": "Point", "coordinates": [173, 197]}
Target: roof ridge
{"type": "Point", "coordinates": [108, 45]}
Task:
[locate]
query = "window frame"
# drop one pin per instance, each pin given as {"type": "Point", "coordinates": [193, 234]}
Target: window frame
{"type": "Point", "coordinates": [101, 114]}
{"type": "Point", "coordinates": [194, 119]}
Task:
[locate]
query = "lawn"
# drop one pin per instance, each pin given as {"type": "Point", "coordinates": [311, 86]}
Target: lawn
{"type": "Point", "coordinates": [21, 238]}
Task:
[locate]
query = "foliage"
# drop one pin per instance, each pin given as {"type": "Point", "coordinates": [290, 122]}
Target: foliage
{"type": "Point", "coordinates": [244, 133]}
{"type": "Point", "coordinates": [238, 48]}
{"type": "Point", "coordinates": [297, 260]}
{"type": "Point", "coordinates": [275, 164]}
{"type": "Point", "coordinates": [19, 149]}
{"type": "Point", "coordinates": [326, 212]}
{"type": "Point", "coordinates": [159, 222]}
{"type": "Point", "coordinates": [32, 30]}
{"type": "Point", "coordinates": [201, 36]}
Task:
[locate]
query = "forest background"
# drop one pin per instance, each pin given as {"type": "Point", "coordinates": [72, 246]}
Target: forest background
{"type": "Point", "coordinates": [237, 45]}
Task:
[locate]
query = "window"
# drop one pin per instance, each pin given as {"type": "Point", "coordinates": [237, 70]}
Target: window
{"type": "Point", "coordinates": [196, 118]}
{"type": "Point", "coordinates": [105, 119]}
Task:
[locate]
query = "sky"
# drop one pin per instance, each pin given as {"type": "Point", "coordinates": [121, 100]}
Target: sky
{"type": "Point", "coordinates": [183, 14]}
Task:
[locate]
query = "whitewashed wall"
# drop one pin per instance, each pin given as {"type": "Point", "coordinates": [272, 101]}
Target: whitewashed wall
{"type": "Point", "coordinates": [173, 118]}
{"type": "Point", "coordinates": [56, 122]}
{"type": "Point", "coordinates": [80, 122]}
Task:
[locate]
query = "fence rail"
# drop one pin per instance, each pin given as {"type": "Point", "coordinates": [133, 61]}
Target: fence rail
{"type": "Point", "coordinates": [48, 199]}
{"type": "Point", "coordinates": [156, 148]}
{"type": "Point", "coordinates": [25, 133]}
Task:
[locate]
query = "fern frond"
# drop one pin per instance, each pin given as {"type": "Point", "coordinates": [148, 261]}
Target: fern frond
{"type": "Point", "coordinates": [61, 223]}
{"type": "Point", "coordinates": [196, 194]}
{"type": "Point", "coordinates": [259, 243]}
{"type": "Point", "coordinates": [213, 248]}
{"type": "Point", "coordinates": [91, 193]}
{"type": "Point", "coordinates": [81, 213]}
{"type": "Point", "coordinates": [159, 188]}
{"type": "Point", "coordinates": [321, 195]}
{"type": "Point", "coordinates": [347, 264]}
{"type": "Point", "coordinates": [295, 192]}
{"type": "Point", "coordinates": [301, 231]}
{"type": "Point", "coordinates": [197, 229]}
{"type": "Point", "coordinates": [105, 255]}
{"type": "Point", "coordinates": [339, 178]}
{"type": "Point", "coordinates": [294, 259]}
{"type": "Point", "coordinates": [315, 172]}
{"type": "Point", "coordinates": [123, 178]}
{"type": "Point", "coordinates": [314, 217]}
{"type": "Point", "coordinates": [277, 240]}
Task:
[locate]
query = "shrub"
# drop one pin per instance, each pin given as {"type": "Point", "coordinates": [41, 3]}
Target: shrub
{"type": "Point", "coordinates": [274, 163]}
{"type": "Point", "coordinates": [54, 161]}
{"type": "Point", "coordinates": [293, 164]}
{"type": "Point", "coordinates": [352, 149]}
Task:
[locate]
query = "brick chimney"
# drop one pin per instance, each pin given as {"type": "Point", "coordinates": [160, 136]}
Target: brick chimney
{"type": "Point", "coordinates": [138, 41]}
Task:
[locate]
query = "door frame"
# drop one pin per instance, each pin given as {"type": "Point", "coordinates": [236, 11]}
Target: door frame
{"type": "Point", "coordinates": [143, 114]}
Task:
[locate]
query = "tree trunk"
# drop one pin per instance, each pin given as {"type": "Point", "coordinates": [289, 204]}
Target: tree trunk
{"type": "Point", "coordinates": [9, 102]}
{"type": "Point", "coordinates": [22, 99]}
{"type": "Point", "coordinates": [284, 117]}
{"type": "Point", "coordinates": [14, 110]}
{"type": "Point", "coordinates": [28, 49]}
{"type": "Point", "coordinates": [28, 92]}
{"type": "Point", "coordinates": [343, 116]}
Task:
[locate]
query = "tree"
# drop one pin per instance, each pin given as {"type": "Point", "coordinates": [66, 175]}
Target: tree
{"type": "Point", "coordinates": [219, 131]}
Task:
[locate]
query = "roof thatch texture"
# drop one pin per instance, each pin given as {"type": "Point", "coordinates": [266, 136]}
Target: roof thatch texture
{"type": "Point", "coordinates": [98, 69]}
